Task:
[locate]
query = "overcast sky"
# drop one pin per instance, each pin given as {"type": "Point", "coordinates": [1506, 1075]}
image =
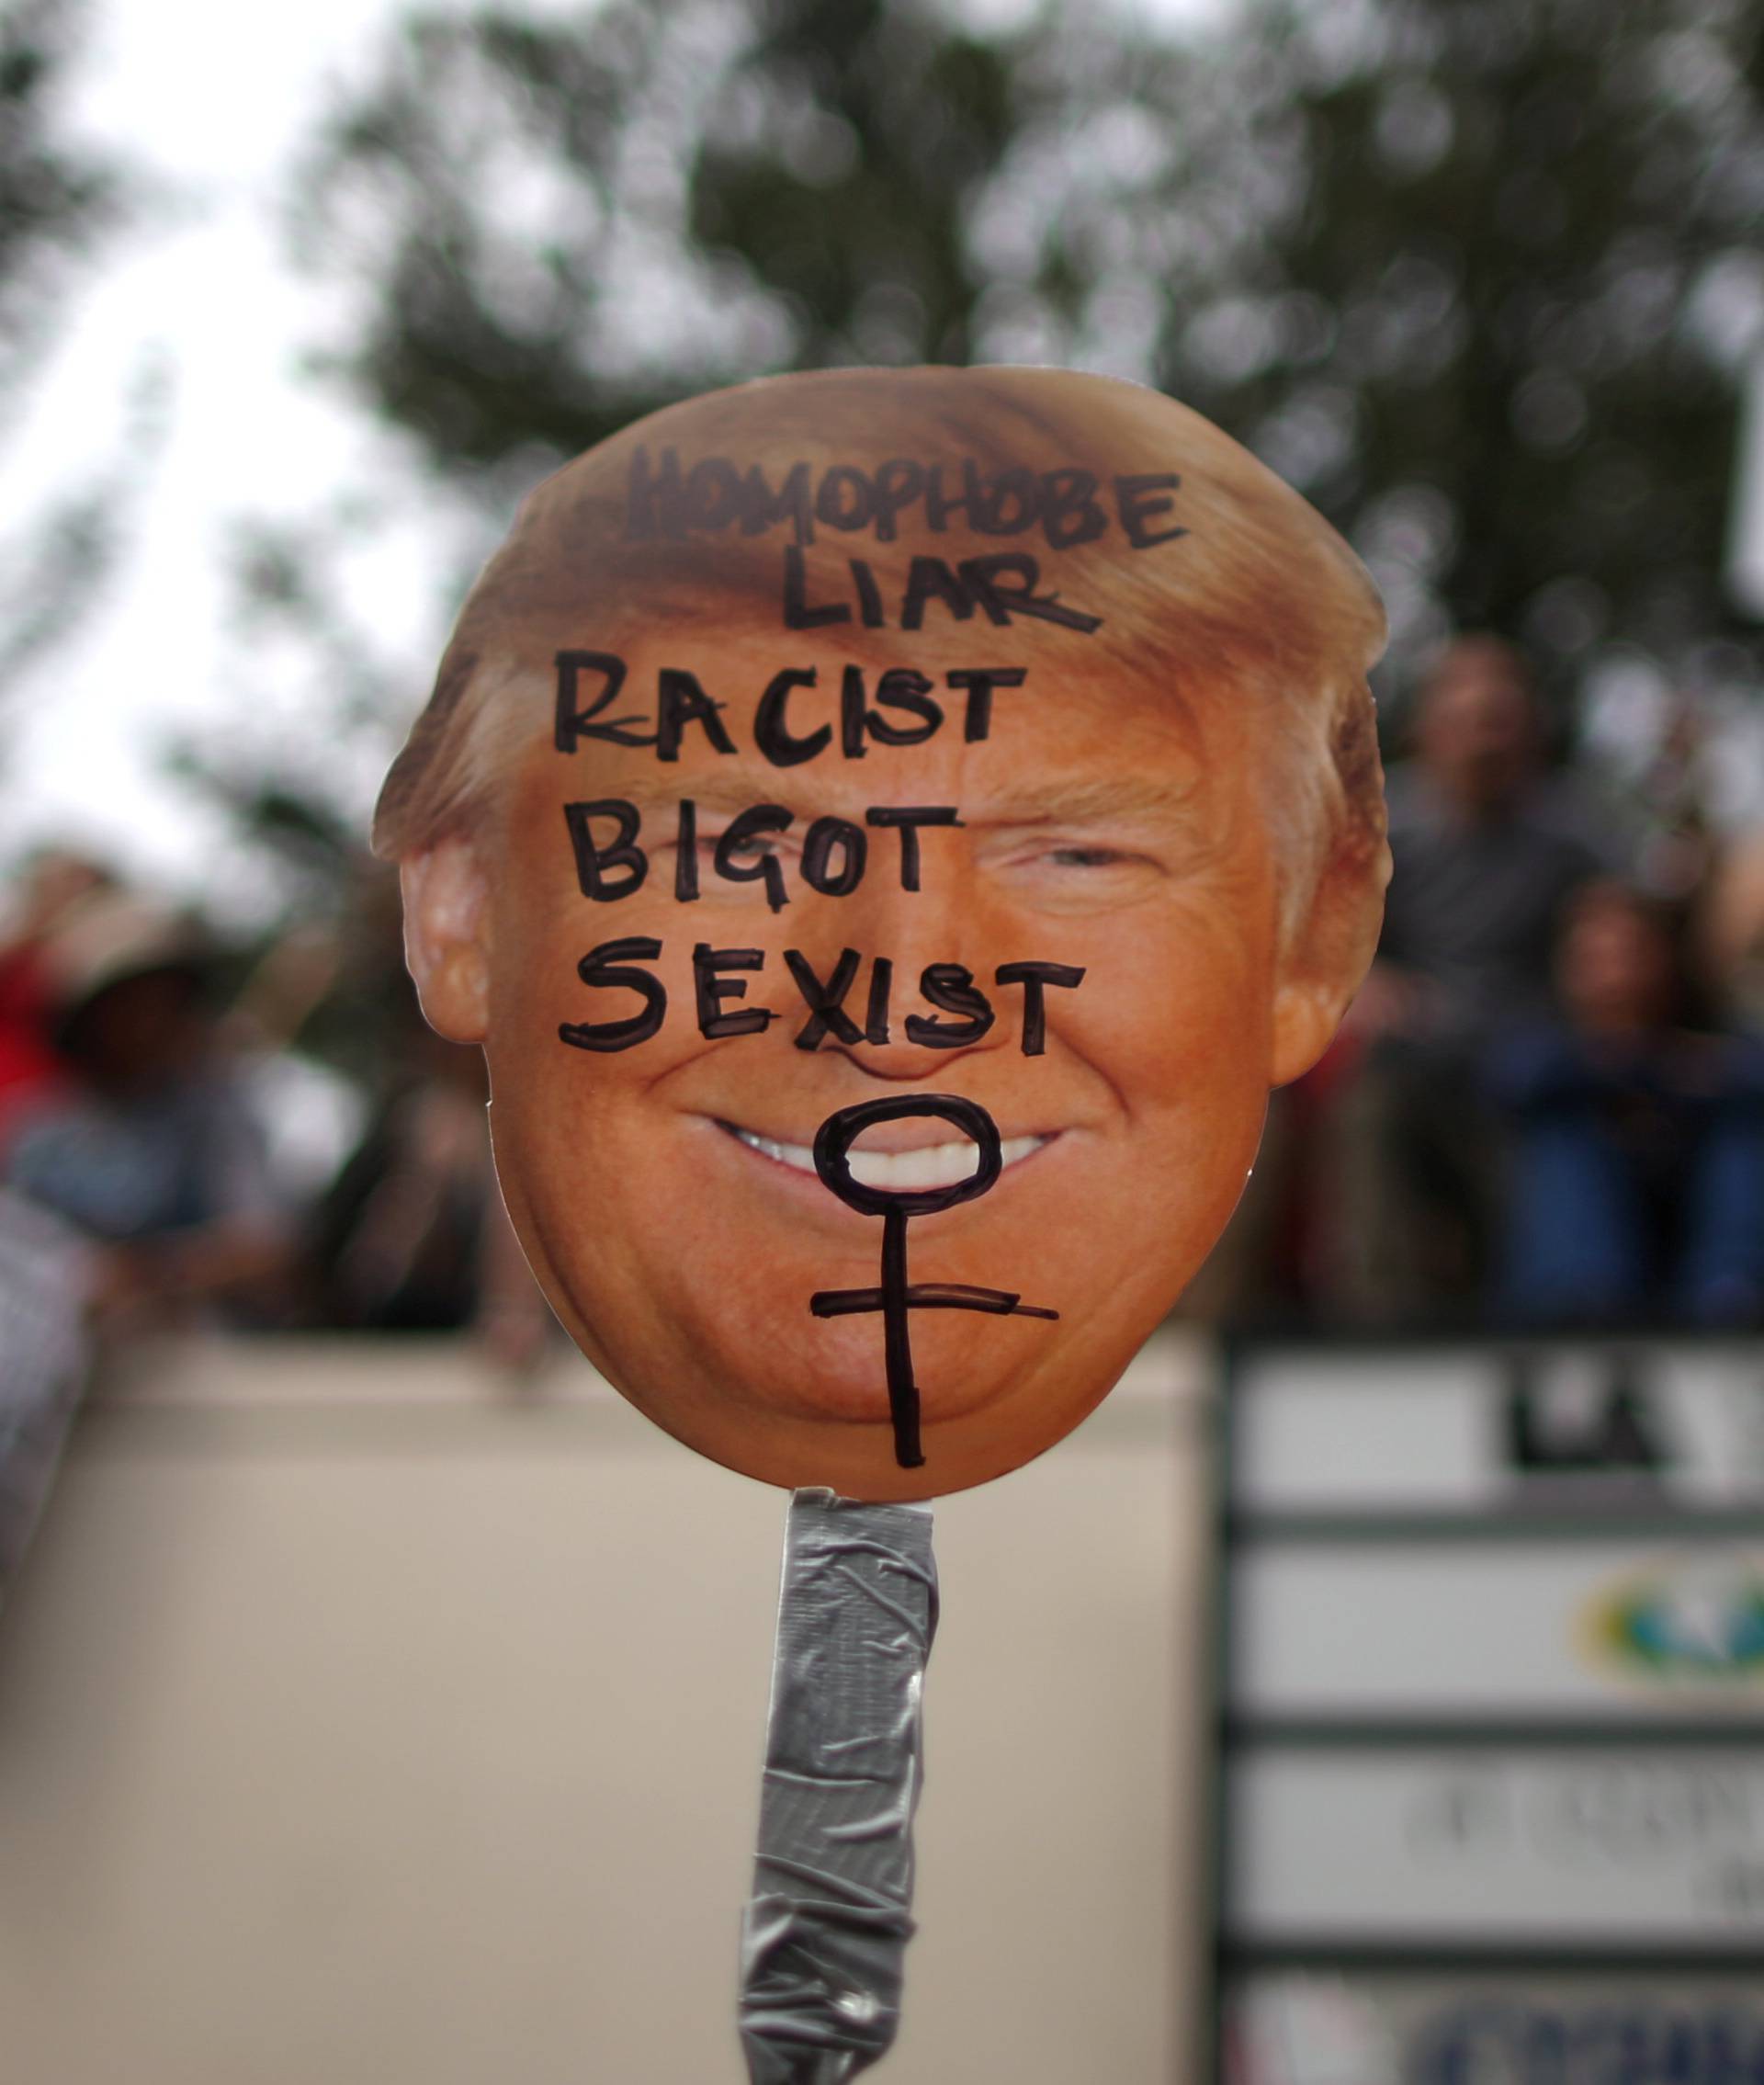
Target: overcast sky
{"type": "Point", "coordinates": [205, 100]}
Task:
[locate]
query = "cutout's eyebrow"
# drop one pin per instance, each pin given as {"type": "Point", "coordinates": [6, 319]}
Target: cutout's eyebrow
{"type": "Point", "coordinates": [1060, 801]}
{"type": "Point", "coordinates": [1100, 801]}
{"type": "Point", "coordinates": [726, 787]}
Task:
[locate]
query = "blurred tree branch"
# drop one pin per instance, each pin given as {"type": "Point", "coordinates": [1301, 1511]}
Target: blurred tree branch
{"type": "Point", "coordinates": [56, 203]}
{"type": "Point", "coordinates": [54, 199]}
{"type": "Point", "coordinates": [1475, 275]}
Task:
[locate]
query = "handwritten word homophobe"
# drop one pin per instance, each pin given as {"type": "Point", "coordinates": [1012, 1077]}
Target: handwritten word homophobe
{"type": "Point", "coordinates": [1069, 506]}
{"type": "Point", "coordinates": [799, 718]}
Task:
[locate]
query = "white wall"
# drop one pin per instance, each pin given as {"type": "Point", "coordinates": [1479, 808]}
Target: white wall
{"type": "Point", "coordinates": [360, 1725]}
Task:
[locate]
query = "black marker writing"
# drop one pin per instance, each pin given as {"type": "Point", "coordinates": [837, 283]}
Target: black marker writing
{"type": "Point", "coordinates": [617, 963]}
{"type": "Point", "coordinates": [1067, 506]}
{"type": "Point", "coordinates": [710, 987]}
{"type": "Point", "coordinates": [950, 988]}
{"type": "Point", "coordinates": [835, 852]}
{"type": "Point", "coordinates": [786, 729]}
{"type": "Point", "coordinates": [1000, 587]}
{"type": "Point", "coordinates": [897, 1297]}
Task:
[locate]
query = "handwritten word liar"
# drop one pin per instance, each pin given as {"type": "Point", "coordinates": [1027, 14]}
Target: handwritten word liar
{"type": "Point", "coordinates": [1067, 505]}
{"type": "Point", "coordinates": [1002, 587]}
{"type": "Point", "coordinates": [904, 711]}
{"type": "Point", "coordinates": [717, 976]}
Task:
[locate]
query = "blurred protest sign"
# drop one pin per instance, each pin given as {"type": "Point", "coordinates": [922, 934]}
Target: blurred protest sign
{"type": "Point", "coordinates": [1491, 1688]}
{"type": "Point", "coordinates": [1293, 2029]}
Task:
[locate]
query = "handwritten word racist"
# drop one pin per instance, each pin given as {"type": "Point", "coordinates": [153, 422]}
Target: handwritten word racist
{"type": "Point", "coordinates": [682, 701]}
{"type": "Point", "coordinates": [1068, 507]}
{"type": "Point", "coordinates": [717, 976]}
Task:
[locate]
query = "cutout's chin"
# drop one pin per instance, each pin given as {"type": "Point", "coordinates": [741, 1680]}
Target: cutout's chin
{"type": "Point", "coordinates": [835, 1368]}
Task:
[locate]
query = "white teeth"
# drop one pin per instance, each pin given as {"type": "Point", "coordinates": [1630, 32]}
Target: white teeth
{"type": "Point", "coordinates": [932, 1165]}
{"type": "Point", "coordinates": [798, 1155]}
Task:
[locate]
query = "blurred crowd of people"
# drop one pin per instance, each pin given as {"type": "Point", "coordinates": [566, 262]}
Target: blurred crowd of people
{"type": "Point", "coordinates": [1546, 1108]}
{"type": "Point", "coordinates": [155, 1098]}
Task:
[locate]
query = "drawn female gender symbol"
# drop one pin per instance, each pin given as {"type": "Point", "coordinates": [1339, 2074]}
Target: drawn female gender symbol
{"type": "Point", "coordinates": [897, 1296]}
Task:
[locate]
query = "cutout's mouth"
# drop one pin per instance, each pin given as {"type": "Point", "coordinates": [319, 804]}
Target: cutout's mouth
{"type": "Point", "coordinates": [921, 1166]}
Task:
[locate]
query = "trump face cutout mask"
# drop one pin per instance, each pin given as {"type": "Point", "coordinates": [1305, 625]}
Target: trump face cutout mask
{"type": "Point", "coordinates": [888, 831]}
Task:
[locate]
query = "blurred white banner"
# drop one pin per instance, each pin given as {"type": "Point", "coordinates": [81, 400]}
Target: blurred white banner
{"type": "Point", "coordinates": [1567, 1847]}
{"type": "Point", "coordinates": [1483, 1631]}
{"type": "Point", "coordinates": [1481, 1428]}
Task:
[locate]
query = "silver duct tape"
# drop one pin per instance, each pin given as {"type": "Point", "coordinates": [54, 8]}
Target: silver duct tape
{"type": "Point", "coordinates": [824, 1934]}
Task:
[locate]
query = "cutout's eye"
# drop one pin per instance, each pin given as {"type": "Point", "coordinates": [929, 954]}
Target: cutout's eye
{"type": "Point", "coordinates": [785, 845]}
{"type": "Point", "coordinates": [774, 844]}
{"type": "Point", "coordinates": [1070, 872]}
{"type": "Point", "coordinates": [1087, 858]}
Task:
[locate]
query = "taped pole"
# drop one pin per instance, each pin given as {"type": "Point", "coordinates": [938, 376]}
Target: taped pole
{"type": "Point", "coordinates": [824, 1935]}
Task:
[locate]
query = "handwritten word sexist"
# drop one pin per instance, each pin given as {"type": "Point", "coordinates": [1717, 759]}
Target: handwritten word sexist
{"type": "Point", "coordinates": [949, 988]}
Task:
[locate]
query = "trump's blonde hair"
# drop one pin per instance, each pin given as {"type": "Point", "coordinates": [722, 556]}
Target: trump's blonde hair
{"type": "Point", "coordinates": [1259, 598]}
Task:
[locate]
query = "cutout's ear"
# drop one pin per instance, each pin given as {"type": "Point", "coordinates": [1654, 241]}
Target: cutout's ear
{"type": "Point", "coordinates": [447, 950]}
{"type": "Point", "coordinates": [1327, 960]}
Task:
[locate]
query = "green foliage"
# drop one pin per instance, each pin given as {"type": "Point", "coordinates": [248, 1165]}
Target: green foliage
{"type": "Point", "coordinates": [52, 200]}
{"type": "Point", "coordinates": [1476, 275]}
{"type": "Point", "coordinates": [55, 202]}
{"type": "Point", "coordinates": [838, 160]}
{"type": "Point", "coordinates": [1490, 330]}
{"type": "Point", "coordinates": [558, 226]}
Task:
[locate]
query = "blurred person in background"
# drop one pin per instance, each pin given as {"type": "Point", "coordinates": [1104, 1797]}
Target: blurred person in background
{"type": "Point", "coordinates": [148, 1147]}
{"type": "Point", "coordinates": [1488, 845]}
{"type": "Point", "coordinates": [310, 1114]}
{"type": "Point", "coordinates": [1635, 1183]}
{"type": "Point", "coordinates": [1731, 933]}
{"type": "Point", "coordinates": [412, 1235]}
{"type": "Point", "coordinates": [50, 884]}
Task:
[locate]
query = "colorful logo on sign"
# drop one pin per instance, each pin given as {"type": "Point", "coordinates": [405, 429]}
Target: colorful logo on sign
{"type": "Point", "coordinates": [1672, 2042]}
{"type": "Point", "coordinates": [1700, 1621]}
